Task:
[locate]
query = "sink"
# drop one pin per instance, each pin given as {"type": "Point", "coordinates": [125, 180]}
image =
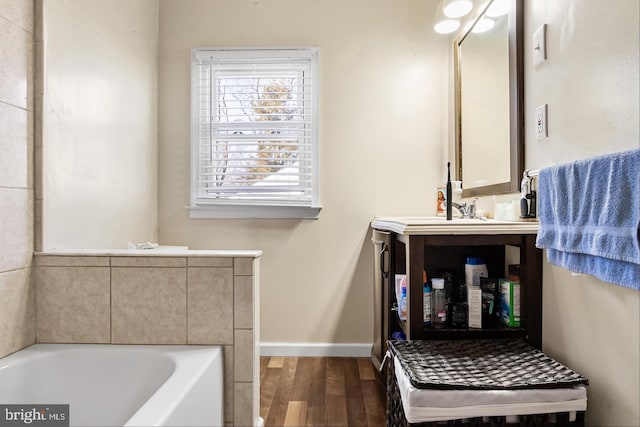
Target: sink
{"type": "Point", "coordinates": [440, 225]}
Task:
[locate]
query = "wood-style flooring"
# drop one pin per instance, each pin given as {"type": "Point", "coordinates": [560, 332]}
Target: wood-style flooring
{"type": "Point", "coordinates": [320, 391]}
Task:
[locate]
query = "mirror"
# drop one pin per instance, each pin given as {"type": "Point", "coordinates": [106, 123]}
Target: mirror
{"type": "Point", "coordinates": [489, 101]}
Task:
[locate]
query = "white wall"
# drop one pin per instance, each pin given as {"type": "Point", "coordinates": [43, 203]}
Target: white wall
{"type": "Point", "coordinates": [100, 123]}
{"type": "Point", "coordinates": [383, 80]}
{"type": "Point", "coordinates": [590, 82]}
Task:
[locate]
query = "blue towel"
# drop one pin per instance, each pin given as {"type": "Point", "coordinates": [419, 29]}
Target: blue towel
{"type": "Point", "coordinates": [590, 216]}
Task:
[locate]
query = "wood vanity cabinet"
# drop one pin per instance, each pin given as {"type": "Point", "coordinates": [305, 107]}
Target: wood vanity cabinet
{"type": "Point", "coordinates": [436, 245]}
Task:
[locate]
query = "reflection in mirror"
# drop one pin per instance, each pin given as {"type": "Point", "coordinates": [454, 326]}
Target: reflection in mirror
{"type": "Point", "coordinates": [488, 103]}
{"type": "Point", "coordinates": [485, 105]}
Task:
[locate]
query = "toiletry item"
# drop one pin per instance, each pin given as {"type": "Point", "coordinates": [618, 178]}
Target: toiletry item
{"type": "Point", "coordinates": [401, 282]}
{"type": "Point", "coordinates": [456, 189]}
{"type": "Point", "coordinates": [514, 272]}
{"type": "Point", "coordinates": [509, 312]}
{"type": "Point", "coordinates": [457, 307]}
{"type": "Point", "coordinates": [528, 195]}
{"type": "Point", "coordinates": [474, 302]}
{"type": "Point", "coordinates": [438, 304]}
{"type": "Point", "coordinates": [474, 269]}
{"type": "Point", "coordinates": [457, 314]}
{"type": "Point", "coordinates": [402, 309]}
{"type": "Point", "coordinates": [449, 193]}
{"type": "Point", "coordinates": [489, 301]}
{"type": "Point", "coordinates": [426, 300]}
{"type": "Point", "coordinates": [449, 285]}
{"type": "Point", "coordinates": [398, 336]}
{"type": "Point", "coordinates": [441, 200]}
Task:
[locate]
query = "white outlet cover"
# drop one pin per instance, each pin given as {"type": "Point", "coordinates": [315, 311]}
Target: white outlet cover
{"type": "Point", "coordinates": [541, 122]}
{"type": "Point", "coordinates": [540, 45]}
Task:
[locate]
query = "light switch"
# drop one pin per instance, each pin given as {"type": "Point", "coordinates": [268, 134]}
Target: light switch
{"type": "Point", "coordinates": [541, 122]}
{"type": "Point", "coordinates": [540, 45]}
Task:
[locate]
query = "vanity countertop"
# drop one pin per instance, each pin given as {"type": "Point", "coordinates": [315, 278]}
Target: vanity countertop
{"type": "Point", "coordinates": [440, 226]}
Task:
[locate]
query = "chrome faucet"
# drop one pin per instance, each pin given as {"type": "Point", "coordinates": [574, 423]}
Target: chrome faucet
{"type": "Point", "coordinates": [467, 210]}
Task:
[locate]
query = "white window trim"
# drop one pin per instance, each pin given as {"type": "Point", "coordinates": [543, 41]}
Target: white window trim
{"type": "Point", "coordinates": [212, 209]}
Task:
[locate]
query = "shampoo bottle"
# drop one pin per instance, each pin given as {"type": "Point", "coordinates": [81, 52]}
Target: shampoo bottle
{"type": "Point", "coordinates": [426, 300]}
{"type": "Point", "coordinates": [438, 304]}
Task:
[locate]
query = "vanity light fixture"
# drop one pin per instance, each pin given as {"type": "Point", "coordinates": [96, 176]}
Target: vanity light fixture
{"type": "Point", "coordinates": [483, 25]}
{"type": "Point", "coordinates": [443, 24]}
{"type": "Point", "coordinates": [446, 26]}
{"type": "Point", "coordinates": [456, 8]}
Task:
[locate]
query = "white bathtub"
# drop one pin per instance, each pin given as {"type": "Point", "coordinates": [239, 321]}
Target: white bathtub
{"type": "Point", "coordinates": [119, 385]}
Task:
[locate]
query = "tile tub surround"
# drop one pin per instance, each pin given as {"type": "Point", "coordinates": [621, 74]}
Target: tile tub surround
{"type": "Point", "coordinates": [157, 297]}
{"type": "Point", "coordinates": [17, 296]}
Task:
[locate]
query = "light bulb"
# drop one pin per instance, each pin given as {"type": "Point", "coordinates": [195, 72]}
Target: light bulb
{"type": "Point", "coordinates": [446, 26]}
{"type": "Point", "coordinates": [457, 8]}
{"type": "Point", "coordinates": [484, 24]}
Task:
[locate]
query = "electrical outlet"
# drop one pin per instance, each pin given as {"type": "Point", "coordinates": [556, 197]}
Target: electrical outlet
{"type": "Point", "coordinates": [541, 122]}
{"type": "Point", "coordinates": [540, 45]}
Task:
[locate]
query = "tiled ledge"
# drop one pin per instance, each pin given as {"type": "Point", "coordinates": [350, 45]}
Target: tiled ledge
{"type": "Point", "coordinates": [168, 251]}
{"type": "Point", "coordinates": [158, 297]}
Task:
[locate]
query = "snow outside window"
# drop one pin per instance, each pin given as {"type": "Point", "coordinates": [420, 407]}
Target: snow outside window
{"type": "Point", "coordinates": [254, 136]}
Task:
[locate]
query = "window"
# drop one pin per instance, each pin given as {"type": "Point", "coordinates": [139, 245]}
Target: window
{"type": "Point", "coordinates": [254, 135]}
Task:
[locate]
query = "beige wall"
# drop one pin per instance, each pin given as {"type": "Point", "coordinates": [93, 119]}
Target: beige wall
{"type": "Point", "coordinates": [383, 91]}
{"type": "Point", "coordinates": [590, 83]}
{"type": "Point", "coordinates": [100, 123]}
{"type": "Point", "coordinates": [17, 310]}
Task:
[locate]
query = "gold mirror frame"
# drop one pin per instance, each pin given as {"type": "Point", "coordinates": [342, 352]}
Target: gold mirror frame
{"type": "Point", "coordinates": [516, 106]}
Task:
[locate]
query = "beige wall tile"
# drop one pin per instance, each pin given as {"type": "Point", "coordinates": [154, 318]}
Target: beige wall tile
{"type": "Point", "coordinates": [30, 150]}
{"type": "Point", "coordinates": [243, 405]}
{"type": "Point", "coordinates": [17, 316]}
{"type": "Point", "coordinates": [37, 126]}
{"type": "Point", "coordinates": [71, 261]}
{"type": "Point", "coordinates": [228, 383]}
{"type": "Point", "coordinates": [37, 20]}
{"type": "Point", "coordinates": [38, 69]}
{"type": "Point", "coordinates": [15, 147]}
{"type": "Point", "coordinates": [148, 261]}
{"type": "Point", "coordinates": [210, 305]}
{"type": "Point", "coordinates": [16, 229]}
{"type": "Point", "coordinates": [16, 51]}
{"type": "Point", "coordinates": [37, 172]}
{"type": "Point", "coordinates": [210, 262]}
{"type": "Point", "coordinates": [243, 266]}
{"type": "Point", "coordinates": [149, 305]}
{"type": "Point", "coordinates": [243, 302]}
{"type": "Point", "coordinates": [72, 304]}
{"type": "Point", "coordinates": [20, 12]}
{"type": "Point", "coordinates": [243, 355]}
{"type": "Point", "coordinates": [37, 225]}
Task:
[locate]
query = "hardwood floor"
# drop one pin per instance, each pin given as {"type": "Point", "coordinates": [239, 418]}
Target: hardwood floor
{"type": "Point", "coordinates": [320, 391]}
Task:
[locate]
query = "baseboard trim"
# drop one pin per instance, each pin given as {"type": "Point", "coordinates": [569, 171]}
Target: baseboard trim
{"type": "Point", "coordinates": [301, 349]}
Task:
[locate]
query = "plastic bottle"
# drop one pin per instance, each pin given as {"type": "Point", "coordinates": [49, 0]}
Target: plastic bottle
{"type": "Point", "coordinates": [457, 191]}
{"type": "Point", "coordinates": [426, 303]}
{"type": "Point", "coordinates": [474, 269]}
{"type": "Point", "coordinates": [403, 304]}
{"type": "Point", "coordinates": [438, 304]}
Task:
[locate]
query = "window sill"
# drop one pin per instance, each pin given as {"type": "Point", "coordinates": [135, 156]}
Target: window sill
{"type": "Point", "coordinates": [253, 212]}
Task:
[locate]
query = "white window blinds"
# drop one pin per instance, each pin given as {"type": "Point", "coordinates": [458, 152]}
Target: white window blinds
{"type": "Point", "coordinates": [254, 127]}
